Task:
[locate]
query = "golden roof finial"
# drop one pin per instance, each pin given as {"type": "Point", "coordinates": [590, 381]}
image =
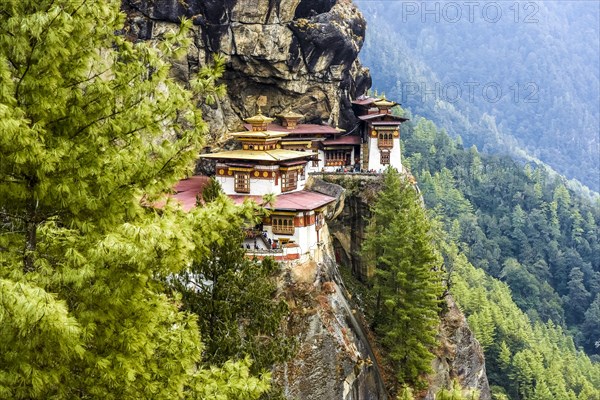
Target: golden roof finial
{"type": "Point", "coordinates": [384, 103]}
{"type": "Point", "coordinates": [289, 114]}
{"type": "Point", "coordinates": [259, 122]}
{"type": "Point", "coordinates": [375, 94]}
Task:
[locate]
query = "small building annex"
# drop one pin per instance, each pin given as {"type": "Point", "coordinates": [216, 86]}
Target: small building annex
{"type": "Point", "coordinates": [331, 148]}
{"type": "Point", "coordinates": [372, 145]}
{"type": "Point", "coordinates": [379, 130]}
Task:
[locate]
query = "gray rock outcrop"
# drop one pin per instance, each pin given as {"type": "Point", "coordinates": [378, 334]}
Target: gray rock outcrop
{"type": "Point", "coordinates": [300, 54]}
{"type": "Point", "coordinates": [459, 356]}
{"type": "Point", "coordinates": [334, 358]}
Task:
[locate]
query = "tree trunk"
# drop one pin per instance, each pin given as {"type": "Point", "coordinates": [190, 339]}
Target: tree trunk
{"type": "Point", "coordinates": [31, 229]}
{"type": "Point", "coordinates": [30, 245]}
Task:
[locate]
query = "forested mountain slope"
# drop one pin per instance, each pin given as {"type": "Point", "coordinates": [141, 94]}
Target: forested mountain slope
{"type": "Point", "coordinates": [520, 226]}
{"type": "Point", "coordinates": [521, 78]}
{"type": "Point", "coordinates": [516, 223]}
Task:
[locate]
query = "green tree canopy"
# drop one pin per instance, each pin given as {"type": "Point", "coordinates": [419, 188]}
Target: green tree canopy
{"type": "Point", "coordinates": [407, 285]}
{"type": "Point", "coordinates": [92, 131]}
{"type": "Point", "coordinates": [235, 297]}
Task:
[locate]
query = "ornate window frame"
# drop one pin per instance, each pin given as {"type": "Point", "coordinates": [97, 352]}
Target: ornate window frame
{"type": "Point", "coordinates": [282, 224]}
{"type": "Point", "coordinates": [241, 182]}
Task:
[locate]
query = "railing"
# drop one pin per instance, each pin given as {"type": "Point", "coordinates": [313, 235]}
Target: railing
{"type": "Point", "coordinates": [253, 233]}
{"type": "Point", "coordinates": [352, 173]}
{"type": "Point", "coordinates": [278, 250]}
{"type": "Point", "coordinates": [284, 230]}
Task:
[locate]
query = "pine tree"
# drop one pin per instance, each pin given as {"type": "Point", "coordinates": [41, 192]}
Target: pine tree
{"type": "Point", "coordinates": [482, 324]}
{"type": "Point", "coordinates": [406, 393]}
{"type": "Point", "coordinates": [406, 283]}
{"type": "Point", "coordinates": [504, 357]}
{"type": "Point", "coordinates": [590, 328]}
{"type": "Point", "coordinates": [234, 297]}
{"type": "Point", "coordinates": [456, 392]}
{"type": "Point", "coordinates": [542, 392]}
{"type": "Point", "coordinates": [578, 299]}
{"type": "Point", "coordinates": [93, 131]}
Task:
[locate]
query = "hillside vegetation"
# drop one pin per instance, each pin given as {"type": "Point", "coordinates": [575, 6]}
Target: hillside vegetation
{"type": "Point", "coordinates": [523, 258]}
{"type": "Point", "coordinates": [523, 82]}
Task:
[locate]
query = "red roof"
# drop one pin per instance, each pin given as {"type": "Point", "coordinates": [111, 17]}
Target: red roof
{"type": "Point", "coordinates": [188, 190]}
{"type": "Point", "coordinates": [239, 198]}
{"type": "Point", "coordinates": [239, 164]}
{"type": "Point", "coordinates": [301, 129]}
{"type": "Point", "coordinates": [292, 163]}
{"type": "Point", "coordinates": [354, 140]}
{"type": "Point", "coordinates": [386, 123]}
{"type": "Point", "coordinates": [302, 200]}
{"type": "Point", "coordinates": [375, 116]}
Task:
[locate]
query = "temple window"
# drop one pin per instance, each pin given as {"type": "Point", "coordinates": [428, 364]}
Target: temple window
{"type": "Point", "coordinates": [385, 139]}
{"type": "Point", "coordinates": [242, 182]}
{"type": "Point", "coordinates": [283, 225]}
{"type": "Point", "coordinates": [337, 157]}
{"type": "Point", "coordinates": [289, 181]}
{"type": "Point", "coordinates": [385, 158]}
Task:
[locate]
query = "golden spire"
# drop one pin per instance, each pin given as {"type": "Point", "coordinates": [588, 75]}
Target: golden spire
{"type": "Point", "coordinates": [290, 114]}
{"type": "Point", "coordinates": [385, 104]}
{"type": "Point", "coordinates": [290, 119]}
{"type": "Point", "coordinates": [259, 122]}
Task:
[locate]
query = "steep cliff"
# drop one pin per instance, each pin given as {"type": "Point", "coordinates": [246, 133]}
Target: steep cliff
{"type": "Point", "coordinates": [459, 356]}
{"type": "Point", "coordinates": [301, 54]}
{"type": "Point", "coordinates": [334, 358]}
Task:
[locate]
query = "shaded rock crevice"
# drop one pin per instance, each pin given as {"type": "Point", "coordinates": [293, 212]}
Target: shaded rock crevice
{"type": "Point", "coordinates": [310, 8]}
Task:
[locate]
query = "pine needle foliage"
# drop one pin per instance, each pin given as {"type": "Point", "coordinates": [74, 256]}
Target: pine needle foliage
{"type": "Point", "coordinates": [92, 131]}
{"type": "Point", "coordinates": [407, 282]}
{"type": "Point", "coordinates": [456, 392]}
{"type": "Point", "coordinates": [235, 297]}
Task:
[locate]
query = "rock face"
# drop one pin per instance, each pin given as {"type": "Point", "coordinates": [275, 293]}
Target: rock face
{"type": "Point", "coordinates": [334, 358]}
{"type": "Point", "coordinates": [348, 230]}
{"type": "Point", "coordinates": [300, 54]}
{"type": "Point", "coordinates": [459, 356]}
